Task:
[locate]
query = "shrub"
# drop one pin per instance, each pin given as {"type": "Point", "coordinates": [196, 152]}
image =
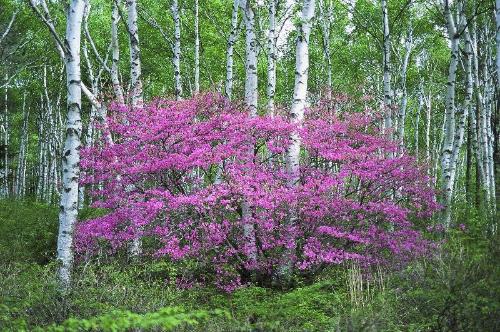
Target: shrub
{"type": "Point", "coordinates": [28, 232]}
{"type": "Point", "coordinates": [209, 186]}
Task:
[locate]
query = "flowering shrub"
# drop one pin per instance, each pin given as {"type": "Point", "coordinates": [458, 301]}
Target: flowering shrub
{"type": "Point", "coordinates": [196, 175]}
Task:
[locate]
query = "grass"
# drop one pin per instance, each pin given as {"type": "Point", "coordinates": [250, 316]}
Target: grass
{"type": "Point", "coordinates": [457, 290]}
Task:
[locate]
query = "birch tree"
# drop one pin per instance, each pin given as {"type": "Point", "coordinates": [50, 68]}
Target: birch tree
{"type": "Point", "coordinates": [177, 49]}
{"type": "Point", "coordinates": [228, 87]}
{"type": "Point", "coordinates": [386, 60]}
{"type": "Point", "coordinates": [298, 107]}
{"type": "Point", "coordinates": [196, 47]}
{"type": "Point", "coordinates": [251, 100]}
{"type": "Point", "coordinates": [453, 134]}
{"type": "Point", "coordinates": [135, 61]}
{"type": "Point", "coordinates": [20, 184]}
{"type": "Point", "coordinates": [251, 93]}
{"type": "Point", "coordinates": [497, 37]}
{"type": "Point", "coordinates": [325, 8]}
{"type": "Point", "coordinates": [69, 50]}
{"type": "Point", "coordinates": [4, 123]}
{"type": "Point", "coordinates": [4, 189]}
{"type": "Point", "coordinates": [404, 99]}
{"type": "Point", "coordinates": [271, 58]}
{"type": "Point", "coordinates": [115, 49]}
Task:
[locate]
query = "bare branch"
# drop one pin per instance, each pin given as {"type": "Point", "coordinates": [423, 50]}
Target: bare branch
{"type": "Point", "coordinates": [89, 37]}
{"type": "Point", "coordinates": [47, 20]}
{"type": "Point", "coordinates": [9, 26]}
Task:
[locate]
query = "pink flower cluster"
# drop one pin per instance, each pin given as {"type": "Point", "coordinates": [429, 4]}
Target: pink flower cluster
{"type": "Point", "coordinates": [179, 173]}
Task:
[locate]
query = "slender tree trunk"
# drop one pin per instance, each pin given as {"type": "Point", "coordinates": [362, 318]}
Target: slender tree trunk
{"type": "Point", "coordinates": [468, 105]}
{"type": "Point", "coordinates": [115, 49]}
{"type": "Point", "coordinates": [177, 49]}
{"type": "Point", "coordinates": [271, 58]}
{"type": "Point", "coordinates": [428, 112]}
{"type": "Point", "coordinates": [251, 95]}
{"type": "Point", "coordinates": [480, 130]}
{"type": "Point", "coordinates": [387, 69]}
{"type": "Point", "coordinates": [20, 186]}
{"type": "Point", "coordinates": [497, 38]}
{"type": "Point", "coordinates": [488, 106]}
{"type": "Point", "coordinates": [251, 104]}
{"type": "Point", "coordinates": [135, 83]}
{"type": "Point", "coordinates": [4, 123]}
{"type": "Point", "coordinates": [196, 48]}
{"type": "Point", "coordinates": [299, 103]}
{"type": "Point", "coordinates": [497, 150]}
{"type": "Point", "coordinates": [68, 210]}
{"type": "Point", "coordinates": [4, 190]}
{"type": "Point", "coordinates": [228, 88]}
{"type": "Point", "coordinates": [417, 120]}
{"type": "Point", "coordinates": [135, 60]}
{"type": "Point", "coordinates": [451, 142]}
{"type": "Point", "coordinates": [404, 100]}
{"type": "Point", "coordinates": [326, 18]}
{"type": "Point", "coordinates": [41, 151]}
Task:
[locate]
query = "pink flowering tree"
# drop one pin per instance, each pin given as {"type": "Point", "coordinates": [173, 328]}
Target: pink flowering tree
{"type": "Point", "coordinates": [178, 172]}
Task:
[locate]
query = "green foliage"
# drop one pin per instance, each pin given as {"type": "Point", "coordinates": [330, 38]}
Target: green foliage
{"type": "Point", "coordinates": [166, 319]}
{"type": "Point", "coordinates": [458, 290]}
{"type": "Point", "coordinates": [28, 231]}
{"type": "Point", "coordinates": [455, 290]}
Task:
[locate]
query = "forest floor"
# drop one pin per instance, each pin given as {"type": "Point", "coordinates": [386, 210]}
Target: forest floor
{"type": "Point", "coordinates": [457, 290]}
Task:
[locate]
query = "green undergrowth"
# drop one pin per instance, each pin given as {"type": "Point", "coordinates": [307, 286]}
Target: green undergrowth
{"type": "Point", "coordinates": [457, 290]}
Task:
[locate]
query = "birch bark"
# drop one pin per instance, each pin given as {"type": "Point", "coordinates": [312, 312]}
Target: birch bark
{"type": "Point", "coordinates": [297, 111]}
{"type": "Point", "coordinates": [196, 48]}
{"type": "Point", "coordinates": [228, 87]}
{"type": "Point", "coordinates": [71, 153]}
{"type": "Point", "coordinates": [4, 189]}
{"type": "Point", "coordinates": [115, 49]}
{"type": "Point", "coordinates": [251, 95]}
{"type": "Point", "coordinates": [387, 69]}
{"type": "Point", "coordinates": [20, 186]}
{"type": "Point", "coordinates": [452, 137]}
{"type": "Point", "coordinates": [404, 100]}
{"type": "Point", "coordinates": [326, 17]}
{"type": "Point", "coordinates": [177, 50]}
{"type": "Point", "coordinates": [497, 37]}
{"type": "Point", "coordinates": [271, 58]}
{"type": "Point", "coordinates": [135, 61]}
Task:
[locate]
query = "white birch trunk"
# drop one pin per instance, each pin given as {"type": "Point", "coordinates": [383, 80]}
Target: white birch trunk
{"type": "Point", "coordinates": [404, 100]}
{"type": "Point", "coordinates": [453, 136]}
{"type": "Point", "coordinates": [196, 48]}
{"type": "Point", "coordinates": [387, 69]}
{"type": "Point", "coordinates": [115, 59]}
{"type": "Point", "coordinates": [297, 110]}
{"type": "Point", "coordinates": [4, 123]}
{"type": "Point", "coordinates": [228, 87]}
{"type": "Point", "coordinates": [428, 112]}
{"type": "Point", "coordinates": [497, 37]}
{"type": "Point", "coordinates": [251, 95]}
{"type": "Point", "coordinates": [251, 104]}
{"type": "Point", "coordinates": [20, 186]}
{"type": "Point", "coordinates": [479, 137]}
{"type": "Point", "coordinates": [488, 106]}
{"type": "Point", "coordinates": [271, 58]}
{"type": "Point", "coordinates": [417, 120]}
{"type": "Point", "coordinates": [135, 60]}
{"type": "Point", "coordinates": [71, 153]}
{"type": "Point", "coordinates": [326, 17]}
{"type": "Point", "coordinates": [177, 50]}
{"type": "Point", "coordinates": [4, 189]}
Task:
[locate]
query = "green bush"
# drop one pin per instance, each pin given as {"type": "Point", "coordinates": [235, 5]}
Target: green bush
{"type": "Point", "coordinates": [455, 290]}
{"type": "Point", "coordinates": [28, 232]}
{"type": "Point", "coordinates": [165, 319]}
